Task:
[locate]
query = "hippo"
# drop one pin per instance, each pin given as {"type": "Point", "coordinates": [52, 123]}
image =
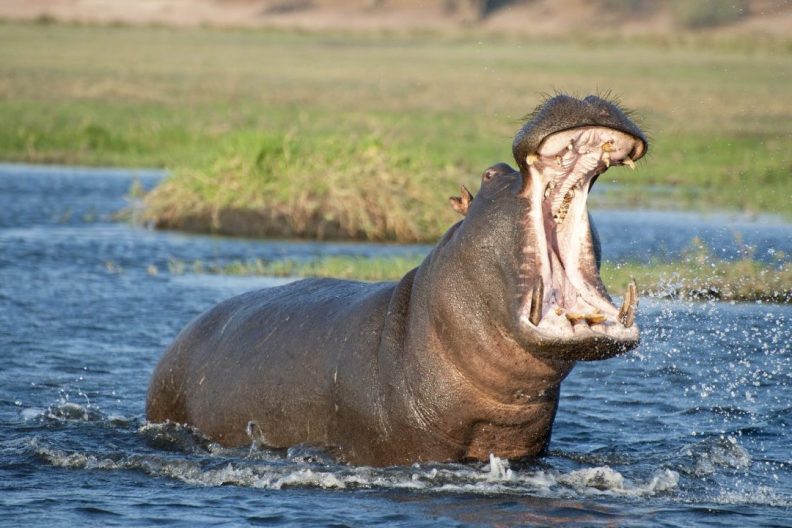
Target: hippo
{"type": "Point", "coordinates": [461, 358]}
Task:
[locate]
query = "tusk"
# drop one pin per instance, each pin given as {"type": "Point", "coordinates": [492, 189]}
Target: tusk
{"type": "Point", "coordinates": [627, 311]}
{"type": "Point", "coordinates": [606, 158]}
{"type": "Point", "coordinates": [629, 317]}
{"type": "Point", "coordinates": [537, 296]}
{"type": "Point", "coordinates": [629, 162]}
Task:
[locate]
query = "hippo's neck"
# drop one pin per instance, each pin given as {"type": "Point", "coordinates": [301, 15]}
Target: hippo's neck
{"type": "Point", "coordinates": [456, 373]}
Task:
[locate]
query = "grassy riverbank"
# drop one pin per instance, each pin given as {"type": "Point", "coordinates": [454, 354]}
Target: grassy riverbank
{"type": "Point", "coordinates": [342, 135]}
{"type": "Point", "coordinates": [695, 277]}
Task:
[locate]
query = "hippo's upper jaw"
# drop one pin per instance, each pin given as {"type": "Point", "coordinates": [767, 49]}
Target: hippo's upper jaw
{"type": "Point", "coordinates": [565, 310]}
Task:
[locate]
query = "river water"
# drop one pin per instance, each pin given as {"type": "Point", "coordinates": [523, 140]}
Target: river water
{"type": "Point", "coordinates": [693, 428]}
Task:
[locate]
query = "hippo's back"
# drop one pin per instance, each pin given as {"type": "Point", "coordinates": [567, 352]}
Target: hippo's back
{"type": "Point", "coordinates": [237, 363]}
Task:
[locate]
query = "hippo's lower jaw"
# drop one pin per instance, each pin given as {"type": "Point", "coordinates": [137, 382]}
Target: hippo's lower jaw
{"type": "Point", "coordinates": [568, 313]}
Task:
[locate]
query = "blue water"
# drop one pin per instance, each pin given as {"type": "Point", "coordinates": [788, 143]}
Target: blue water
{"type": "Point", "coordinates": [693, 428]}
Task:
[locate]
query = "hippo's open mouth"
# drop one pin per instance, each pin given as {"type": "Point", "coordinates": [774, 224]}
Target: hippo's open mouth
{"type": "Point", "coordinates": [570, 303]}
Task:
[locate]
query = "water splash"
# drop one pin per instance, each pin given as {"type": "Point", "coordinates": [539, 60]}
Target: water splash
{"type": "Point", "coordinates": [494, 478]}
{"type": "Point", "coordinates": [708, 455]}
{"type": "Point", "coordinates": [65, 411]}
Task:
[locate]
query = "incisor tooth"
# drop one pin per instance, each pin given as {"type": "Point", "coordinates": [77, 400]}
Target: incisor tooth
{"type": "Point", "coordinates": [574, 317]}
{"type": "Point", "coordinates": [530, 159]}
{"type": "Point", "coordinates": [629, 162]}
{"type": "Point", "coordinates": [595, 318]}
{"type": "Point", "coordinates": [606, 158]}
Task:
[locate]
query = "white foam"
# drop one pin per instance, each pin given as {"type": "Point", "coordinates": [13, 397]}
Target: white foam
{"type": "Point", "coordinates": [73, 460]}
{"type": "Point", "coordinates": [306, 477]}
{"type": "Point", "coordinates": [603, 479]}
{"type": "Point", "coordinates": [496, 477]}
{"type": "Point", "coordinates": [663, 480]}
{"type": "Point", "coordinates": [31, 413]}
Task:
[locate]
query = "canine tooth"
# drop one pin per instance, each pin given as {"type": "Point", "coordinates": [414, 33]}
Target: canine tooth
{"type": "Point", "coordinates": [606, 158]}
{"type": "Point", "coordinates": [537, 295]}
{"type": "Point", "coordinates": [629, 162]}
{"type": "Point", "coordinates": [628, 300]}
{"type": "Point", "coordinates": [627, 311]}
{"type": "Point", "coordinates": [574, 317]}
{"type": "Point", "coordinates": [530, 159]}
{"type": "Point", "coordinates": [623, 310]}
{"type": "Point", "coordinates": [629, 319]}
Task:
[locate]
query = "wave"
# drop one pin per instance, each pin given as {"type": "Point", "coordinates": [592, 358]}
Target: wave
{"type": "Point", "coordinates": [497, 477]}
{"type": "Point", "coordinates": [182, 453]}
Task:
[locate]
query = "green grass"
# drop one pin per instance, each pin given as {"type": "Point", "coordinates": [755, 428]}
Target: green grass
{"type": "Point", "coordinates": [335, 135]}
{"type": "Point", "coordinates": [696, 276]}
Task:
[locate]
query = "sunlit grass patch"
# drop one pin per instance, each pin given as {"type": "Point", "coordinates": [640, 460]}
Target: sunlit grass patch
{"type": "Point", "coordinates": [339, 186]}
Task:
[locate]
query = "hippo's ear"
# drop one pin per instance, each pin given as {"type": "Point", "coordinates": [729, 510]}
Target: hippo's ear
{"type": "Point", "coordinates": [461, 203]}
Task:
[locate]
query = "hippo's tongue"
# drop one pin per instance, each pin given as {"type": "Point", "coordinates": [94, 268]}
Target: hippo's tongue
{"type": "Point", "coordinates": [572, 297]}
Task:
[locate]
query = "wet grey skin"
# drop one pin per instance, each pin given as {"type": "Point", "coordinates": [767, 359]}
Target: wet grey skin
{"type": "Point", "coordinates": [461, 358]}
